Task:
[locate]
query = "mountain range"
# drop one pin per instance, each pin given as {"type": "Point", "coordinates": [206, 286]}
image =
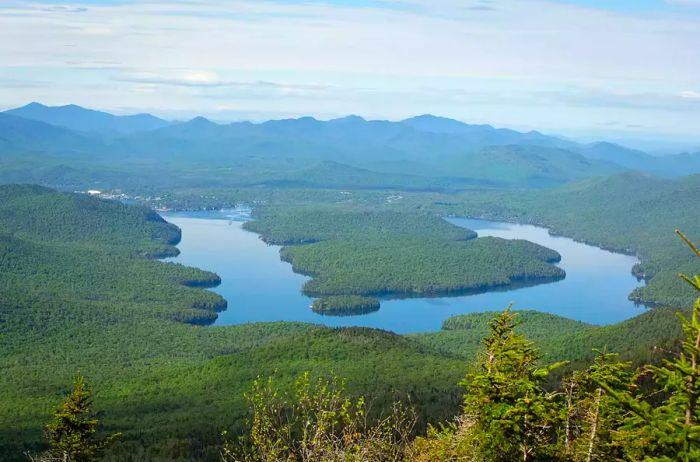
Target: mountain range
{"type": "Point", "coordinates": [84, 120]}
{"type": "Point", "coordinates": [423, 152]}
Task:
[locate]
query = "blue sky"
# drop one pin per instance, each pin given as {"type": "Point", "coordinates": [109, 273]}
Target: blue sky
{"type": "Point", "coordinates": [619, 69]}
{"type": "Point", "coordinates": [626, 5]}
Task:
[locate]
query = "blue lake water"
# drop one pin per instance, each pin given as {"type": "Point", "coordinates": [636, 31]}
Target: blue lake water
{"type": "Point", "coordinates": [260, 287]}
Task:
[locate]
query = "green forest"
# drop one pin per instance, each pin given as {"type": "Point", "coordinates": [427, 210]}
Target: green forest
{"type": "Point", "coordinates": [512, 410]}
{"type": "Point", "coordinates": [419, 267]}
{"type": "Point", "coordinates": [630, 213]}
{"type": "Point", "coordinates": [128, 323]}
{"type": "Point", "coordinates": [605, 411]}
{"type": "Point", "coordinates": [96, 301]}
{"type": "Point", "coordinates": [355, 250]}
{"type": "Point", "coordinates": [286, 225]}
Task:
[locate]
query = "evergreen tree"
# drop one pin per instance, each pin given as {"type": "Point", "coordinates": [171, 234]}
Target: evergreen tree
{"type": "Point", "coordinates": [73, 433]}
{"type": "Point", "coordinates": [512, 417]}
{"type": "Point", "coordinates": [669, 431]}
{"type": "Point", "coordinates": [590, 414]}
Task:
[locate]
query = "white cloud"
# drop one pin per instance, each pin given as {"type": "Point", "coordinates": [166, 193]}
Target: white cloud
{"type": "Point", "coordinates": [495, 61]}
{"type": "Point", "coordinates": [226, 88]}
{"type": "Point", "coordinates": [180, 78]}
{"type": "Point", "coordinates": [690, 94]}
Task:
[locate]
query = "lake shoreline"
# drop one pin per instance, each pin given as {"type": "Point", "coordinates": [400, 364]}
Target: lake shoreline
{"type": "Point", "coordinates": [260, 287]}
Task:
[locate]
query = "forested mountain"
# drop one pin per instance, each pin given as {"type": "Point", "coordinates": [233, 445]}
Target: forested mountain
{"type": "Point", "coordinates": [632, 159]}
{"type": "Point", "coordinates": [485, 135]}
{"type": "Point", "coordinates": [628, 158]}
{"type": "Point", "coordinates": [86, 120]}
{"type": "Point", "coordinates": [19, 135]}
{"type": "Point", "coordinates": [426, 153]}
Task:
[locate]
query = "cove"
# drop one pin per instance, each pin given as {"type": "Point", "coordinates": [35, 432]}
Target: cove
{"type": "Point", "coordinates": [260, 287]}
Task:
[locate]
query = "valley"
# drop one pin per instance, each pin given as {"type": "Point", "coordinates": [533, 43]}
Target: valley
{"type": "Point", "coordinates": [349, 246]}
{"type": "Point", "coordinates": [148, 313]}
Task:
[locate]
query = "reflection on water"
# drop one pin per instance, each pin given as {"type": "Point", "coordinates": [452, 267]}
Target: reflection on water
{"type": "Point", "coordinates": [260, 287]}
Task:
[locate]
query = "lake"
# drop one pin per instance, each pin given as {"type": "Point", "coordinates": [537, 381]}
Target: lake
{"type": "Point", "coordinates": [260, 287]}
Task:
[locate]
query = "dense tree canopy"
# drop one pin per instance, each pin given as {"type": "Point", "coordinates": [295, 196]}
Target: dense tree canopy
{"type": "Point", "coordinates": [92, 302]}
{"type": "Point", "coordinates": [351, 250]}
{"type": "Point", "coordinates": [95, 302]}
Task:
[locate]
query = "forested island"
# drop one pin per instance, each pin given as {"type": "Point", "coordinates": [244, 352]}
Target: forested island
{"type": "Point", "coordinates": [351, 250]}
{"type": "Point", "coordinates": [421, 267]}
{"type": "Point", "coordinates": [345, 305]}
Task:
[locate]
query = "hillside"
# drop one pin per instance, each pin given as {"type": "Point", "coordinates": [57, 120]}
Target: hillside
{"type": "Point", "coordinates": [79, 295]}
{"type": "Point", "coordinates": [529, 165]}
{"type": "Point", "coordinates": [632, 159]}
{"type": "Point", "coordinates": [563, 339]}
{"type": "Point", "coordinates": [20, 135]}
{"type": "Point", "coordinates": [629, 213]}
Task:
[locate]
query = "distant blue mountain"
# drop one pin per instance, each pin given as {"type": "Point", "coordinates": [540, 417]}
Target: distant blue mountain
{"type": "Point", "coordinates": [484, 134]}
{"type": "Point", "coordinates": [436, 124]}
{"type": "Point", "coordinates": [348, 120]}
{"type": "Point", "coordinates": [612, 152]}
{"type": "Point", "coordinates": [423, 152]}
{"type": "Point", "coordinates": [87, 120]}
{"type": "Point", "coordinates": [632, 159]}
{"type": "Point", "coordinates": [18, 134]}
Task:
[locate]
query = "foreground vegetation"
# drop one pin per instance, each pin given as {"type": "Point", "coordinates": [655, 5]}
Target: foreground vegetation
{"type": "Point", "coordinates": [639, 339]}
{"type": "Point", "coordinates": [598, 413]}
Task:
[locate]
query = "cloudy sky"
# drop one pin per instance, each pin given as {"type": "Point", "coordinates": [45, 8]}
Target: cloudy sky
{"type": "Point", "coordinates": [577, 67]}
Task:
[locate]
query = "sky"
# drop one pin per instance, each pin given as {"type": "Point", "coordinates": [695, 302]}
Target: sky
{"type": "Point", "coordinates": [580, 68]}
